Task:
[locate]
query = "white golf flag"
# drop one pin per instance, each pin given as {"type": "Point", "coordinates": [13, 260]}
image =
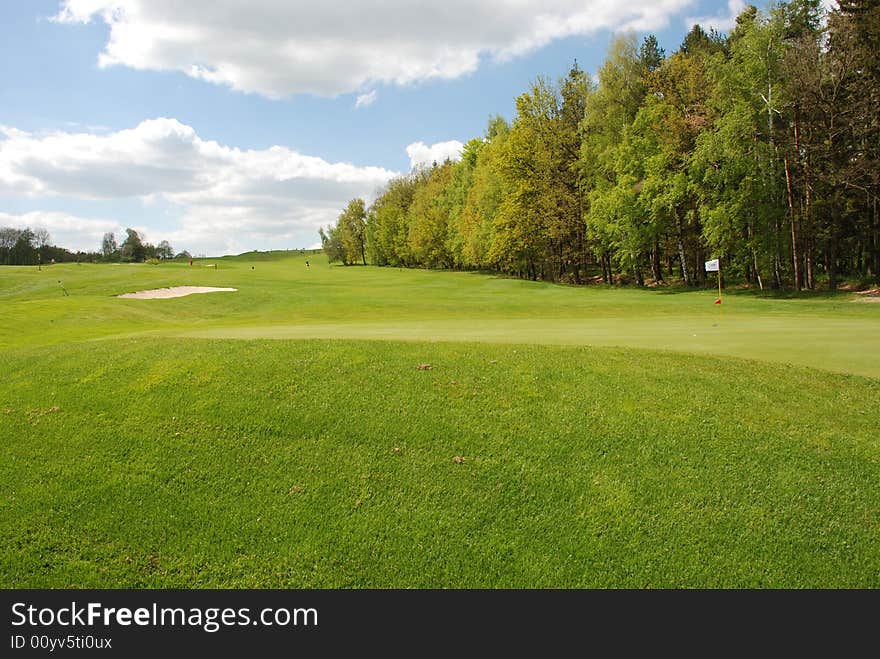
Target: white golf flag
{"type": "Point", "coordinates": [712, 266]}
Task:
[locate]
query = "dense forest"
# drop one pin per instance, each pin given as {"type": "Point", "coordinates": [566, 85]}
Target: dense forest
{"type": "Point", "coordinates": [759, 147]}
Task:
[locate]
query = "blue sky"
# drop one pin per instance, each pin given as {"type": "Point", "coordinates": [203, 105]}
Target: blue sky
{"type": "Point", "coordinates": [224, 126]}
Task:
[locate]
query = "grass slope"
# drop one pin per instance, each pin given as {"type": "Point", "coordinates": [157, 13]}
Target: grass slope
{"type": "Point", "coordinates": [154, 459]}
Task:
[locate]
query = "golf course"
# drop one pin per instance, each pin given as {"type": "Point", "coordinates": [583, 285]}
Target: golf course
{"type": "Point", "coordinates": [323, 426]}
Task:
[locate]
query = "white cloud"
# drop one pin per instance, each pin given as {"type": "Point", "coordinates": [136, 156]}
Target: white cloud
{"type": "Point", "coordinates": [722, 22]}
{"type": "Point", "coordinates": [366, 100]}
{"type": "Point", "coordinates": [228, 197]}
{"type": "Point", "coordinates": [421, 154]}
{"type": "Point", "coordinates": [70, 231]}
{"type": "Point", "coordinates": [282, 47]}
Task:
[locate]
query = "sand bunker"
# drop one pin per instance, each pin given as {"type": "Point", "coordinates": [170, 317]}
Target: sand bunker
{"type": "Point", "coordinates": [176, 291]}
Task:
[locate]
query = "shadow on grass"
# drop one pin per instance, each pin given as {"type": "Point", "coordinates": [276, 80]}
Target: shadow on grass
{"type": "Point", "coordinates": [664, 288]}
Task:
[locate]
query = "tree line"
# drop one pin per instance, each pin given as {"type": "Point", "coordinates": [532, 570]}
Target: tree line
{"type": "Point", "coordinates": [759, 147]}
{"type": "Point", "coordinates": [34, 246]}
{"type": "Point", "coordinates": [134, 250]}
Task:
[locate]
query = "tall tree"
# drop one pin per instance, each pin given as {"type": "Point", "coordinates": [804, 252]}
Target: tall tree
{"type": "Point", "coordinates": [609, 113]}
{"type": "Point", "coordinates": [523, 243]}
{"type": "Point", "coordinates": [352, 226]}
{"type": "Point", "coordinates": [24, 249]}
{"type": "Point", "coordinates": [164, 250]}
{"type": "Point", "coordinates": [109, 248]}
{"type": "Point", "coordinates": [474, 227]}
{"type": "Point", "coordinates": [736, 166]}
{"type": "Point", "coordinates": [428, 218]}
{"type": "Point", "coordinates": [132, 248]}
{"type": "Point", "coordinates": [387, 230]}
{"type": "Point", "coordinates": [802, 24]}
{"type": "Point", "coordinates": [856, 28]}
{"type": "Point", "coordinates": [8, 238]}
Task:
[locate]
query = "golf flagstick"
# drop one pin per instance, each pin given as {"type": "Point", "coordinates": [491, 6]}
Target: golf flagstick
{"type": "Point", "coordinates": [715, 266]}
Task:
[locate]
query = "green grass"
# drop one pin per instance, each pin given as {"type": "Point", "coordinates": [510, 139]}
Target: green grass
{"type": "Point", "coordinates": [169, 443]}
{"type": "Point", "coordinates": [283, 299]}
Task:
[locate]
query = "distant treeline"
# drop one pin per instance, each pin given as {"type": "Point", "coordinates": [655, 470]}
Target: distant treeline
{"type": "Point", "coordinates": [134, 250]}
{"type": "Point", "coordinates": [759, 147]}
{"type": "Point", "coordinates": [33, 246]}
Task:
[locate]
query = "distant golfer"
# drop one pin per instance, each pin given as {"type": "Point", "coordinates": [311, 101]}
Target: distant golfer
{"type": "Point", "coordinates": [190, 261]}
{"type": "Point", "coordinates": [307, 264]}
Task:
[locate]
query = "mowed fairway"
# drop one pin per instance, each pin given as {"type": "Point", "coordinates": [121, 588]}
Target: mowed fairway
{"type": "Point", "coordinates": [171, 443]}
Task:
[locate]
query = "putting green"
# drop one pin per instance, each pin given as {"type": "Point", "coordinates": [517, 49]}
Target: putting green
{"type": "Point", "coordinates": [776, 340]}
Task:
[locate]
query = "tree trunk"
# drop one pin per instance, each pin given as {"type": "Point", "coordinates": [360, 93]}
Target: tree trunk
{"type": "Point", "coordinates": [777, 263]}
{"type": "Point", "coordinates": [656, 269]}
{"type": "Point", "coordinates": [832, 250]}
{"type": "Point", "coordinates": [875, 212]}
{"type": "Point", "coordinates": [811, 267]}
{"type": "Point", "coordinates": [792, 221]}
{"type": "Point", "coordinates": [754, 258]}
{"type": "Point", "coordinates": [808, 200]}
{"type": "Point", "coordinates": [757, 269]}
{"type": "Point", "coordinates": [777, 229]}
{"type": "Point", "coordinates": [581, 257]}
{"type": "Point", "coordinates": [681, 255]}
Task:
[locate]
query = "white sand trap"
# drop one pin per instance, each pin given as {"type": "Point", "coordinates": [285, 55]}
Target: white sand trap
{"type": "Point", "coordinates": [176, 291]}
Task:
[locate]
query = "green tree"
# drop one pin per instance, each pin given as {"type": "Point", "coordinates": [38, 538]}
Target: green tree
{"type": "Point", "coordinates": [607, 173]}
{"type": "Point", "coordinates": [456, 196]}
{"type": "Point", "coordinates": [539, 227]}
{"type": "Point", "coordinates": [164, 250]}
{"type": "Point", "coordinates": [521, 238]}
{"type": "Point", "coordinates": [736, 166]}
{"type": "Point", "coordinates": [675, 112]}
{"type": "Point", "coordinates": [132, 249]}
{"type": "Point", "coordinates": [24, 249]}
{"type": "Point", "coordinates": [760, 148]}
{"type": "Point", "coordinates": [474, 226]}
{"type": "Point", "coordinates": [109, 248]}
{"type": "Point", "coordinates": [856, 29]}
{"type": "Point", "coordinates": [387, 229]}
{"type": "Point", "coordinates": [428, 218]}
{"type": "Point", "coordinates": [8, 238]}
{"type": "Point", "coordinates": [331, 243]}
{"type": "Point", "coordinates": [352, 225]}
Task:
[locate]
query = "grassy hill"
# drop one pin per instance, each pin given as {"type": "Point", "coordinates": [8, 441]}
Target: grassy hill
{"type": "Point", "coordinates": [284, 435]}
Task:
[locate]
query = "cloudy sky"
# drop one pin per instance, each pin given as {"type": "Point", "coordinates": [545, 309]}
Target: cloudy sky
{"type": "Point", "coordinates": [229, 125]}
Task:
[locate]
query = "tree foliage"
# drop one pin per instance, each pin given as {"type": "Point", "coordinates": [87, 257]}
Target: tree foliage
{"type": "Point", "coordinates": [759, 148]}
{"type": "Point", "coordinates": [346, 241]}
{"type": "Point", "coordinates": [109, 247]}
{"type": "Point", "coordinates": [132, 249]}
{"type": "Point", "coordinates": [33, 246]}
